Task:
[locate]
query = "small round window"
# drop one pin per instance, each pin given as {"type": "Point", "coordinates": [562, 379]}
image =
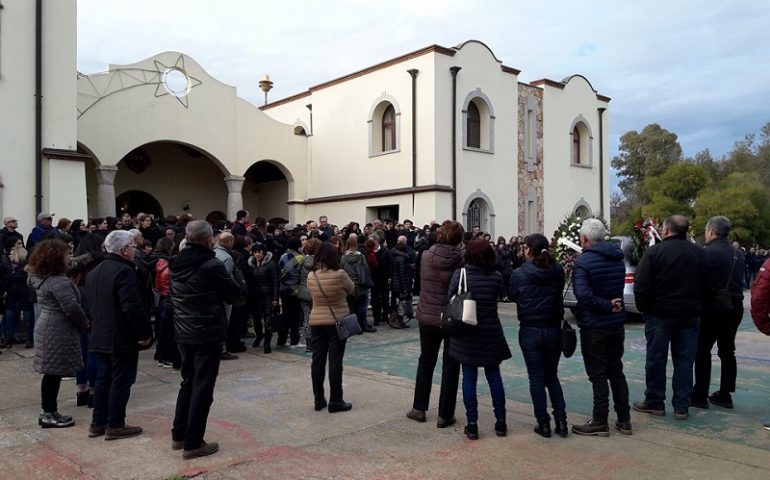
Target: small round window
{"type": "Point", "coordinates": [176, 82]}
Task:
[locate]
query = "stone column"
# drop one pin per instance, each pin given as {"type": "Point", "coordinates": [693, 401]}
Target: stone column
{"type": "Point", "coordinates": [105, 190]}
{"type": "Point", "coordinates": [234, 197]}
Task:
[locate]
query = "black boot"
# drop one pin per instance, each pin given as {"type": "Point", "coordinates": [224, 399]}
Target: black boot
{"type": "Point", "coordinates": [83, 398]}
{"type": "Point", "coordinates": [543, 429]}
{"type": "Point", "coordinates": [561, 428]}
{"type": "Point", "coordinates": [258, 338]}
{"type": "Point", "coordinates": [268, 339]}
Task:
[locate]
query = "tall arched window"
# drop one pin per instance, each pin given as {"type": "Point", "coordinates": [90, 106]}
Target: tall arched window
{"type": "Point", "coordinates": [580, 143]}
{"type": "Point", "coordinates": [474, 126]}
{"type": "Point", "coordinates": [389, 129]}
{"type": "Point", "coordinates": [384, 126]}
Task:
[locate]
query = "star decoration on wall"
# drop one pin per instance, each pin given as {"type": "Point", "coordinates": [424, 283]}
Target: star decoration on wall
{"type": "Point", "coordinates": [164, 89]}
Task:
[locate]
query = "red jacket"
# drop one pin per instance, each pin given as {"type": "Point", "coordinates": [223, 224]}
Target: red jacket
{"type": "Point", "coordinates": [161, 277]}
{"type": "Point", "coordinates": [760, 299]}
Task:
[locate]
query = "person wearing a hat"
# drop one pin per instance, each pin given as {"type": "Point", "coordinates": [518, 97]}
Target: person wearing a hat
{"type": "Point", "coordinates": [10, 235]}
{"type": "Point", "coordinates": [44, 225]}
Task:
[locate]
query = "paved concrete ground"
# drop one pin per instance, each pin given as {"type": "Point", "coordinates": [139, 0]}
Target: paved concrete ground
{"type": "Point", "coordinates": [264, 421]}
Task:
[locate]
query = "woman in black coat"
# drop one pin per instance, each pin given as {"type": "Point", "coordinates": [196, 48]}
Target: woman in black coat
{"type": "Point", "coordinates": [262, 282]}
{"type": "Point", "coordinates": [537, 288]}
{"type": "Point", "coordinates": [484, 344]}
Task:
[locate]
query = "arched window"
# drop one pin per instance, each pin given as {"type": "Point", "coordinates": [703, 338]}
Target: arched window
{"type": "Point", "coordinates": [474, 126]}
{"type": "Point", "coordinates": [389, 129]}
{"type": "Point", "coordinates": [478, 123]}
{"type": "Point", "coordinates": [580, 146]}
{"type": "Point", "coordinates": [384, 125]}
{"type": "Point", "coordinates": [582, 212]}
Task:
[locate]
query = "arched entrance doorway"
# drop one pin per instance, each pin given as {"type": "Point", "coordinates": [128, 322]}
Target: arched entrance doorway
{"type": "Point", "coordinates": [171, 178]}
{"type": "Point", "coordinates": [477, 215]}
{"type": "Point", "coordinates": [266, 190]}
{"type": "Point", "coordinates": [137, 201]}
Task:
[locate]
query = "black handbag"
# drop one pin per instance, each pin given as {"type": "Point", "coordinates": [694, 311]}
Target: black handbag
{"type": "Point", "coordinates": [457, 317]}
{"type": "Point", "coordinates": [348, 325]}
{"type": "Point", "coordinates": [568, 339]}
{"type": "Point", "coordinates": [364, 277]}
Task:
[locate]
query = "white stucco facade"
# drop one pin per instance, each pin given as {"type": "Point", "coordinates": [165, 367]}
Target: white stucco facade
{"type": "Point", "coordinates": [63, 181]}
{"type": "Point", "coordinates": [568, 185]}
{"type": "Point", "coordinates": [353, 148]}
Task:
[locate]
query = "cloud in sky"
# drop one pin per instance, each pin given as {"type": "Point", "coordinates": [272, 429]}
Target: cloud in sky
{"type": "Point", "coordinates": [698, 68]}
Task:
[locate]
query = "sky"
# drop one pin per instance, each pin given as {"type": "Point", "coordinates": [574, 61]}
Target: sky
{"type": "Point", "coordinates": [699, 68]}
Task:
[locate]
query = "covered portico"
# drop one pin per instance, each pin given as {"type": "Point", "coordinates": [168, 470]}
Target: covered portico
{"type": "Point", "coordinates": [165, 137]}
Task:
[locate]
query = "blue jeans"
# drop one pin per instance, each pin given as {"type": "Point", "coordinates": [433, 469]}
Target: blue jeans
{"type": "Point", "coordinates": [541, 347]}
{"type": "Point", "coordinates": [10, 323]}
{"type": "Point", "coordinates": [87, 376]}
{"type": "Point", "coordinates": [495, 381]}
{"type": "Point", "coordinates": [682, 334]}
{"type": "Point", "coordinates": [114, 376]}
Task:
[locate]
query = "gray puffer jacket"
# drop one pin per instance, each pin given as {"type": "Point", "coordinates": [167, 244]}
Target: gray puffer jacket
{"type": "Point", "coordinates": [57, 331]}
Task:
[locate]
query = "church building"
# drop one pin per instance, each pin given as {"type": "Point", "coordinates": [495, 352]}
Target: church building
{"type": "Point", "coordinates": [437, 133]}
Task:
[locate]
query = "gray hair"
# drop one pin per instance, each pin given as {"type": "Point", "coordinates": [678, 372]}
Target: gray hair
{"type": "Point", "coordinates": [136, 233]}
{"type": "Point", "coordinates": [198, 232]}
{"type": "Point", "coordinates": [118, 240]}
{"type": "Point", "coordinates": [720, 225]}
{"type": "Point", "coordinates": [593, 229]}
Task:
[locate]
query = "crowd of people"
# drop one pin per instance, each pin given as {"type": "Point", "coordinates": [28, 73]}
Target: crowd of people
{"type": "Point", "coordinates": [108, 288]}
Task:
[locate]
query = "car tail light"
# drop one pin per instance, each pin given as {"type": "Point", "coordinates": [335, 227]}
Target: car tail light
{"type": "Point", "coordinates": [629, 278]}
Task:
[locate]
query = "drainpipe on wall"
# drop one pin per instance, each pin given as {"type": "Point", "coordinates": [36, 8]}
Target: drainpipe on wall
{"type": "Point", "coordinates": [453, 71]}
{"type": "Point", "coordinates": [601, 161]}
{"type": "Point", "coordinates": [38, 106]}
{"type": "Point", "coordinates": [413, 72]}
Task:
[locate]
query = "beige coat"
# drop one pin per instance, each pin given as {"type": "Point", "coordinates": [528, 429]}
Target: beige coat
{"type": "Point", "coordinates": [337, 285]}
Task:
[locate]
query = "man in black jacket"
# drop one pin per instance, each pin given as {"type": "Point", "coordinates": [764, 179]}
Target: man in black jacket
{"type": "Point", "coordinates": [199, 287]}
{"type": "Point", "coordinates": [669, 291]}
{"type": "Point", "coordinates": [120, 327]}
{"type": "Point", "coordinates": [719, 323]}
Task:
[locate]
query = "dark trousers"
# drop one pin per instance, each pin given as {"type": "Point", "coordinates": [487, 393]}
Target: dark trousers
{"type": "Point", "coordinates": [291, 320]}
{"type": "Point", "coordinates": [357, 305]}
{"type": "Point", "coordinates": [200, 367]}
{"type": "Point", "coordinates": [326, 343]}
{"type": "Point", "coordinates": [602, 350]}
{"type": "Point", "coordinates": [87, 376]}
{"type": "Point", "coordinates": [115, 373]}
{"type": "Point", "coordinates": [380, 295]}
{"type": "Point", "coordinates": [682, 334]}
{"type": "Point", "coordinates": [541, 347]}
{"type": "Point", "coordinates": [720, 328]}
{"type": "Point", "coordinates": [166, 347]}
{"type": "Point", "coordinates": [430, 343]}
{"type": "Point", "coordinates": [49, 392]}
{"type": "Point", "coordinates": [262, 314]}
{"type": "Point", "coordinates": [496, 390]}
{"type": "Point", "coordinates": [235, 327]}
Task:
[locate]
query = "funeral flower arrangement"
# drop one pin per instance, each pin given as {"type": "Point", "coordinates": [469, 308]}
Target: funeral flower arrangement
{"type": "Point", "coordinates": [565, 243]}
{"type": "Point", "coordinates": [646, 233]}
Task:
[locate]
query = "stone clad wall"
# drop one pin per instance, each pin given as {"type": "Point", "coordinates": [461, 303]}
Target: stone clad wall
{"type": "Point", "coordinates": [530, 167]}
